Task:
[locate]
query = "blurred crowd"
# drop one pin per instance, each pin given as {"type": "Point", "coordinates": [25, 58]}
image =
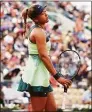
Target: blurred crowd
{"type": "Point", "coordinates": [14, 50]}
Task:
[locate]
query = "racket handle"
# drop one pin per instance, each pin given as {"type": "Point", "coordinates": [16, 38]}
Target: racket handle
{"type": "Point", "coordinates": [65, 89]}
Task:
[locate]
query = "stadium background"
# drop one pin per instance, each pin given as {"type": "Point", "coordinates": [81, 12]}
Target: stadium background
{"type": "Point", "coordinates": [14, 52]}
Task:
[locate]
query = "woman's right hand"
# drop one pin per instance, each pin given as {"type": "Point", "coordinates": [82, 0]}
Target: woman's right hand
{"type": "Point", "coordinates": [64, 82]}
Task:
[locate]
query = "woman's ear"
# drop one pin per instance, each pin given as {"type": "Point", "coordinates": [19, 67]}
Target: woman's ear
{"type": "Point", "coordinates": [35, 20]}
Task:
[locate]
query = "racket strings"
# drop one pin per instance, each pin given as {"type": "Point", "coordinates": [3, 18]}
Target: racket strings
{"type": "Point", "coordinates": [69, 62]}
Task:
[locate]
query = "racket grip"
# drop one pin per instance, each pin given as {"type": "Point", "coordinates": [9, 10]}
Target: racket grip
{"type": "Point", "coordinates": [65, 89]}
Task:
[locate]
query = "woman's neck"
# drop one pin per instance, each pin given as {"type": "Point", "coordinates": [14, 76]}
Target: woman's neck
{"type": "Point", "coordinates": [41, 25]}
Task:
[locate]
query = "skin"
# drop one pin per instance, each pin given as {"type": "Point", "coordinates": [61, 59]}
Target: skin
{"type": "Point", "coordinates": [79, 25]}
{"type": "Point", "coordinates": [38, 37]}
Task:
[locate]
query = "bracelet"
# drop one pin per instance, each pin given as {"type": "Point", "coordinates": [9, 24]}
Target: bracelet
{"type": "Point", "coordinates": [57, 75]}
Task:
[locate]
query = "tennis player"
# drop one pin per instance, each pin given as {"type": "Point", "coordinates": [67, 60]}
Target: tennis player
{"type": "Point", "coordinates": [35, 78]}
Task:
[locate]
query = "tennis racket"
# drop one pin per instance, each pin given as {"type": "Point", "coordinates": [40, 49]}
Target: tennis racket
{"type": "Point", "coordinates": [69, 66]}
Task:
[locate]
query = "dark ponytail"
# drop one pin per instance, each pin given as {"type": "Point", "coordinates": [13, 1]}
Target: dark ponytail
{"type": "Point", "coordinates": [24, 15]}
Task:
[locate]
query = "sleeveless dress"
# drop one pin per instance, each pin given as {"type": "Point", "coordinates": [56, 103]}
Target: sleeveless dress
{"type": "Point", "coordinates": [35, 77]}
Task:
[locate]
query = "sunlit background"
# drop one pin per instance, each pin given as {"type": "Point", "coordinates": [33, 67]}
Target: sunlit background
{"type": "Point", "coordinates": [63, 22]}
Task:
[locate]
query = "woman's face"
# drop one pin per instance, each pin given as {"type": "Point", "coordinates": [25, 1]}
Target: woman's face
{"type": "Point", "coordinates": [42, 18]}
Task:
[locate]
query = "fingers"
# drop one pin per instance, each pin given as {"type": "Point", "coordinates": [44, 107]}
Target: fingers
{"type": "Point", "coordinates": [67, 83]}
{"type": "Point", "coordinates": [66, 86]}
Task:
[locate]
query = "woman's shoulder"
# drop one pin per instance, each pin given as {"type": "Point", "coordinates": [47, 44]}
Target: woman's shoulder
{"type": "Point", "coordinates": [37, 31]}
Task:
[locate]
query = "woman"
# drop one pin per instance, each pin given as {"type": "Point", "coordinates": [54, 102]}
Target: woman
{"type": "Point", "coordinates": [35, 79]}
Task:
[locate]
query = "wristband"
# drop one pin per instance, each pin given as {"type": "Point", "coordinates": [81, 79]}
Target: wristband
{"type": "Point", "coordinates": [57, 75]}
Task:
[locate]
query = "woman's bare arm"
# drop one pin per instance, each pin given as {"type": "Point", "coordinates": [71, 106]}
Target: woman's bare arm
{"type": "Point", "coordinates": [40, 38]}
